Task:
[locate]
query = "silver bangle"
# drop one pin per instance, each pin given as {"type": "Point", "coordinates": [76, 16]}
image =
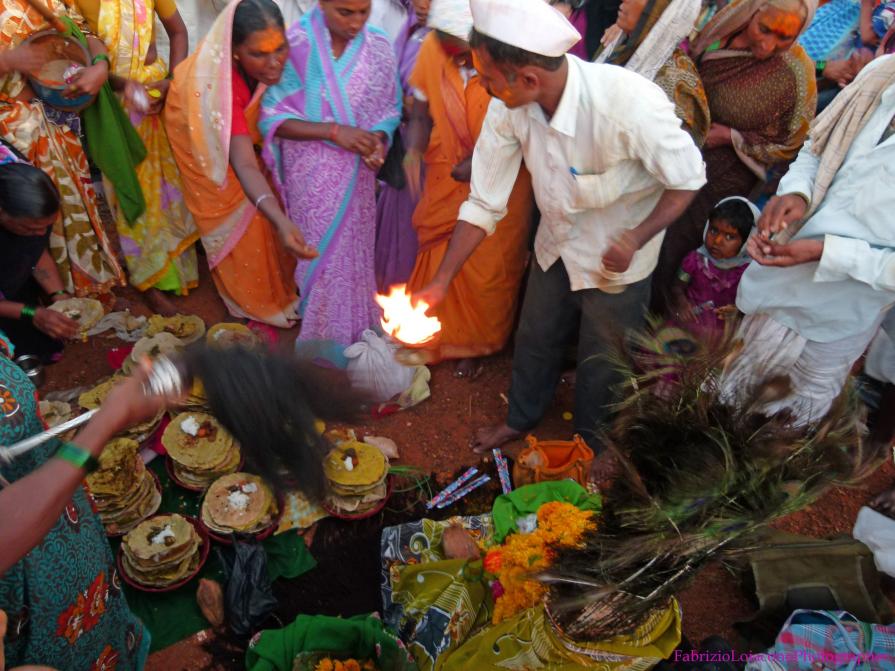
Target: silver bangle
{"type": "Point", "coordinates": [261, 198]}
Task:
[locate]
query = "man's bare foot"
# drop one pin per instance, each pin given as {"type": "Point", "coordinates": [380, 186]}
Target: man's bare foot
{"type": "Point", "coordinates": [885, 502]}
{"type": "Point", "coordinates": [469, 368]}
{"type": "Point", "coordinates": [489, 437]}
{"type": "Point", "coordinates": [159, 303]}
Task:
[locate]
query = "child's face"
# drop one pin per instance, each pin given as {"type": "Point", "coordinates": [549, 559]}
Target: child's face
{"type": "Point", "coordinates": [722, 240]}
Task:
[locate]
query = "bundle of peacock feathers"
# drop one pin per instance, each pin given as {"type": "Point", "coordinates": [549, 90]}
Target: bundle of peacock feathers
{"type": "Point", "coordinates": [698, 478]}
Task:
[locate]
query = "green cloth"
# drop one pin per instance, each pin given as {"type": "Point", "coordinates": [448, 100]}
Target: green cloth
{"type": "Point", "coordinates": [113, 144]}
{"type": "Point", "coordinates": [361, 637]}
{"type": "Point", "coordinates": [527, 499]}
{"type": "Point", "coordinates": [173, 616]}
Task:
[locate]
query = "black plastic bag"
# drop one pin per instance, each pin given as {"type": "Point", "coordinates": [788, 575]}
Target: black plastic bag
{"type": "Point", "coordinates": [392, 171]}
{"type": "Point", "coordinates": [248, 596]}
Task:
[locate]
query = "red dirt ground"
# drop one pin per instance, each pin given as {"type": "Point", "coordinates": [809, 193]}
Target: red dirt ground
{"type": "Point", "coordinates": [434, 437]}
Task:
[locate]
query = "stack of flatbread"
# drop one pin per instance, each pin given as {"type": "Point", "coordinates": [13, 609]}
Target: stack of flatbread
{"type": "Point", "coordinates": [357, 475]}
{"type": "Point", "coordinates": [201, 450]}
{"type": "Point", "coordinates": [95, 397]}
{"type": "Point", "coordinates": [124, 491]}
{"type": "Point", "coordinates": [186, 328]}
{"type": "Point", "coordinates": [239, 503]}
{"type": "Point", "coordinates": [231, 335]}
{"type": "Point", "coordinates": [161, 551]}
{"type": "Point", "coordinates": [162, 343]}
{"type": "Point", "coordinates": [196, 400]}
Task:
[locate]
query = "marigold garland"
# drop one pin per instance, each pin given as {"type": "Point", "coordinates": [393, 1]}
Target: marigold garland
{"type": "Point", "coordinates": [329, 664]}
{"type": "Point", "coordinates": [560, 524]}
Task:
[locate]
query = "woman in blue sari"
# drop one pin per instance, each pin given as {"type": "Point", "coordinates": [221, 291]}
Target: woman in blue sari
{"type": "Point", "coordinates": [327, 127]}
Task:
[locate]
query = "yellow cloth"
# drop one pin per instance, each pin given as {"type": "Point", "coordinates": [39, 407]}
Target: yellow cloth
{"type": "Point", "coordinates": [528, 642]}
{"type": "Point", "coordinates": [90, 10]}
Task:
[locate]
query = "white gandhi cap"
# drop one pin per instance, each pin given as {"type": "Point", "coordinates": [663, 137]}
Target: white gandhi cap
{"type": "Point", "coordinates": [532, 25]}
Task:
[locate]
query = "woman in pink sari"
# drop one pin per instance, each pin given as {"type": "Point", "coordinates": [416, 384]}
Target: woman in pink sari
{"type": "Point", "coordinates": [327, 125]}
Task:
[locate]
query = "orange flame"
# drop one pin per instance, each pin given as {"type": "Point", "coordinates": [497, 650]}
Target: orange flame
{"type": "Point", "coordinates": [404, 321]}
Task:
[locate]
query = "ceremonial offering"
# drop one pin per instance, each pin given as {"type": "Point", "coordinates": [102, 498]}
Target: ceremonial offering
{"type": "Point", "coordinates": [86, 311]}
{"type": "Point", "coordinates": [125, 492]}
{"type": "Point", "coordinates": [200, 450]}
{"type": "Point", "coordinates": [357, 474]}
{"type": "Point", "coordinates": [231, 335]}
{"type": "Point", "coordinates": [239, 503]}
{"type": "Point", "coordinates": [186, 328]}
{"type": "Point", "coordinates": [62, 57]}
{"type": "Point", "coordinates": [405, 322]}
{"type": "Point", "coordinates": [92, 399]}
{"type": "Point", "coordinates": [160, 344]}
{"type": "Point", "coordinates": [55, 413]}
{"type": "Point", "coordinates": [162, 553]}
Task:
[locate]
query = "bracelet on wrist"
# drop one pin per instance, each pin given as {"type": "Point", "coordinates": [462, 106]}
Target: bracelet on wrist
{"type": "Point", "coordinates": [100, 57]}
{"type": "Point", "coordinates": [333, 132]}
{"type": "Point", "coordinates": [77, 456]}
{"type": "Point", "coordinates": [60, 292]}
{"type": "Point", "coordinates": [28, 312]}
{"type": "Point", "coordinates": [820, 66]}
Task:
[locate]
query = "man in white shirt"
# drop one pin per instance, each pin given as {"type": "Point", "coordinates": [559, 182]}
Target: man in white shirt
{"type": "Point", "coordinates": [611, 169]}
{"type": "Point", "coordinates": [813, 305]}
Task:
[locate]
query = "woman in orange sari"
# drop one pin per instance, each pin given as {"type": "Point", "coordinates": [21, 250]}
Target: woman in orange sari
{"type": "Point", "coordinates": [211, 117]}
{"type": "Point", "coordinates": [478, 312]}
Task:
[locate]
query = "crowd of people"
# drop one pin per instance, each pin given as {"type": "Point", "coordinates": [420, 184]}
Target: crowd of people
{"type": "Point", "coordinates": [534, 171]}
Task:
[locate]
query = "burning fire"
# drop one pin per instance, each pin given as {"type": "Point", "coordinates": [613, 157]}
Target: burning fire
{"type": "Point", "coordinates": [404, 321]}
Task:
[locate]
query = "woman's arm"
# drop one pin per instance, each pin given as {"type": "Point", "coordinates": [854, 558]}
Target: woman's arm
{"type": "Point", "coordinates": [258, 192]}
{"type": "Point", "coordinates": [54, 324]}
{"type": "Point", "coordinates": [869, 37]}
{"type": "Point", "coordinates": [91, 79]}
{"type": "Point", "coordinates": [46, 274]}
{"type": "Point", "coordinates": [31, 506]}
{"type": "Point", "coordinates": [178, 37]}
{"type": "Point", "coordinates": [351, 139]}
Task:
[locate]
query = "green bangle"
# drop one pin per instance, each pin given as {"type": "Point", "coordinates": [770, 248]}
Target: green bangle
{"type": "Point", "coordinates": [820, 66]}
{"type": "Point", "coordinates": [77, 456]}
{"type": "Point", "coordinates": [100, 57]}
{"type": "Point", "coordinates": [28, 312]}
{"type": "Point", "coordinates": [58, 293]}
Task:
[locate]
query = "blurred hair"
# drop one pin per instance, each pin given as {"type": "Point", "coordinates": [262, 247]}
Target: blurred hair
{"type": "Point", "coordinates": [270, 404]}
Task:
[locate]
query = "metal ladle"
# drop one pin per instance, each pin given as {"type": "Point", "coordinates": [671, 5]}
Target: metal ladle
{"type": "Point", "coordinates": [167, 378]}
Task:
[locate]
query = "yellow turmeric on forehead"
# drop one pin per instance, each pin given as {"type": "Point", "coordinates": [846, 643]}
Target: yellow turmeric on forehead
{"type": "Point", "coordinates": [269, 40]}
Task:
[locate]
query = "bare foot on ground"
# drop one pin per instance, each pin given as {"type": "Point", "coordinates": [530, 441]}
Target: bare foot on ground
{"type": "Point", "coordinates": [489, 437]}
{"type": "Point", "coordinates": [469, 368]}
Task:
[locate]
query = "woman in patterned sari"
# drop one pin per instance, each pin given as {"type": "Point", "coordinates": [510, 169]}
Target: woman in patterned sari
{"type": "Point", "coordinates": [762, 95]}
{"type": "Point", "coordinates": [59, 587]}
{"type": "Point", "coordinates": [49, 140]}
{"type": "Point", "coordinates": [648, 43]}
{"type": "Point", "coordinates": [327, 125]}
{"type": "Point", "coordinates": [158, 246]}
{"type": "Point", "coordinates": [210, 116]}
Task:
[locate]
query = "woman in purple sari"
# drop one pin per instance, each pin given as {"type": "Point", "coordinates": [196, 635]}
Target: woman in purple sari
{"type": "Point", "coordinates": [396, 243]}
{"type": "Point", "coordinates": [327, 126]}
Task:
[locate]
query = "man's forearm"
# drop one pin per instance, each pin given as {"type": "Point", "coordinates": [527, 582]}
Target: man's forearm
{"type": "Point", "coordinates": [464, 240]}
{"type": "Point", "coordinates": [670, 206]}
